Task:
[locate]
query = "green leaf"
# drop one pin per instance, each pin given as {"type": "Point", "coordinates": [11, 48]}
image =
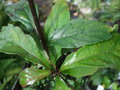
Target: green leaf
{"type": "Point", "coordinates": [60, 84]}
{"type": "Point", "coordinates": [14, 41]}
{"type": "Point", "coordinates": [80, 71]}
{"type": "Point", "coordinates": [113, 86]}
{"type": "Point", "coordinates": [3, 16]}
{"type": "Point", "coordinates": [100, 55]}
{"type": "Point", "coordinates": [59, 17]}
{"type": "Point", "coordinates": [31, 75]}
{"type": "Point", "coordinates": [9, 67]}
{"type": "Point", "coordinates": [5, 83]}
{"type": "Point", "coordinates": [21, 12]}
{"type": "Point", "coordinates": [55, 53]}
{"type": "Point", "coordinates": [80, 32]}
{"type": "Point", "coordinates": [106, 81]}
{"type": "Point", "coordinates": [0, 21]}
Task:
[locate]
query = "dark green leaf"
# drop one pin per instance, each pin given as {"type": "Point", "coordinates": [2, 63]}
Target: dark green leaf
{"type": "Point", "coordinates": [60, 84]}
{"type": "Point", "coordinates": [0, 21]}
{"type": "Point", "coordinates": [5, 82]}
{"type": "Point", "coordinates": [3, 16]}
{"type": "Point", "coordinates": [100, 55]}
{"type": "Point", "coordinates": [14, 41]}
{"type": "Point", "coordinates": [9, 67]}
{"type": "Point", "coordinates": [59, 17]}
{"type": "Point", "coordinates": [31, 75]}
{"type": "Point", "coordinates": [80, 32]}
{"type": "Point", "coordinates": [21, 12]}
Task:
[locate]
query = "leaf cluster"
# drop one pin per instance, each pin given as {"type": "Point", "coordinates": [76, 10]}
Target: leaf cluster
{"type": "Point", "coordinates": [91, 45]}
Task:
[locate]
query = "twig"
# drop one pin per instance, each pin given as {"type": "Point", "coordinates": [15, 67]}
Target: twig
{"type": "Point", "coordinates": [14, 85]}
{"type": "Point", "coordinates": [17, 78]}
{"type": "Point", "coordinates": [66, 82]}
{"type": "Point", "coordinates": [39, 30]}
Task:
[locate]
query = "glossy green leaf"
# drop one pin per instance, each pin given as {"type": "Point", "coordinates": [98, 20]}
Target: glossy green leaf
{"type": "Point", "coordinates": [21, 12]}
{"type": "Point", "coordinates": [14, 41]}
{"type": "Point", "coordinates": [60, 84]}
{"type": "Point", "coordinates": [100, 55]}
{"type": "Point", "coordinates": [80, 32]}
{"type": "Point", "coordinates": [59, 17]}
{"type": "Point", "coordinates": [31, 75]}
{"type": "Point", "coordinates": [80, 71]}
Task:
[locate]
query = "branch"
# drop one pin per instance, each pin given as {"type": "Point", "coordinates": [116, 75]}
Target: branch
{"type": "Point", "coordinates": [39, 30]}
{"type": "Point", "coordinates": [66, 82]}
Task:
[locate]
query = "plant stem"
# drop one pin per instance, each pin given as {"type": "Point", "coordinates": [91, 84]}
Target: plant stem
{"type": "Point", "coordinates": [39, 30]}
{"type": "Point", "coordinates": [66, 82]}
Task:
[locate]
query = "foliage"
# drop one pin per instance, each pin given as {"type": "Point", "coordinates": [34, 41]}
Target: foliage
{"type": "Point", "coordinates": [20, 12]}
{"type": "Point", "coordinates": [3, 16]}
{"type": "Point", "coordinates": [110, 11]}
{"type": "Point", "coordinates": [106, 77]}
{"type": "Point", "coordinates": [98, 47]}
{"type": "Point", "coordinates": [9, 69]}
